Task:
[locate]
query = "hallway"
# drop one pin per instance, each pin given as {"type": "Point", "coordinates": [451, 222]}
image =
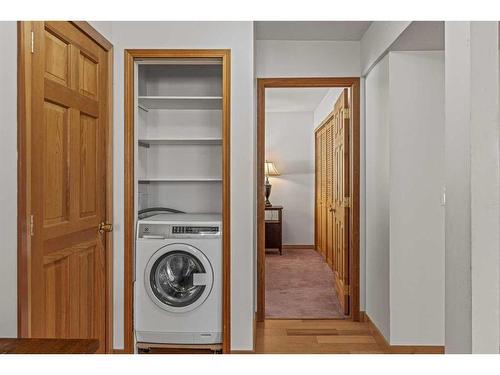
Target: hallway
{"type": "Point", "coordinates": [299, 285]}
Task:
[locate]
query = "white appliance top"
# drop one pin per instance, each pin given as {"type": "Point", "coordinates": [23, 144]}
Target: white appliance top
{"type": "Point", "coordinates": [183, 219]}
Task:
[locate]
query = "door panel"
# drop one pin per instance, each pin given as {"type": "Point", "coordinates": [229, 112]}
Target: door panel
{"type": "Point", "coordinates": [69, 125]}
{"type": "Point", "coordinates": [332, 200]}
{"type": "Point", "coordinates": [324, 206]}
{"type": "Point", "coordinates": [329, 193]}
{"type": "Point", "coordinates": [89, 165]}
{"type": "Point", "coordinates": [341, 199]}
{"type": "Point", "coordinates": [57, 58]}
{"type": "Point", "coordinates": [54, 156]}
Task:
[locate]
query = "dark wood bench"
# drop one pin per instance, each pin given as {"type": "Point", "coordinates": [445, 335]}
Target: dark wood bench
{"type": "Point", "coordinates": [48, 346]}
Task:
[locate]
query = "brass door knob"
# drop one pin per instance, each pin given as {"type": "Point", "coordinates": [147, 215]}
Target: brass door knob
{"type": "Point", "coordinates": [105, 227]}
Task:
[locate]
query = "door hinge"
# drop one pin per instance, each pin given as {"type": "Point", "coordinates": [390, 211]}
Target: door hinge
{"type": "Point", "coordinates": [32, 42]}
{"type": "Point", "coordinates": [347, 202]}
{"type": "Point", "coordinates": [32, 226]}
{"type": "Point", "coordinates": [346, 113]}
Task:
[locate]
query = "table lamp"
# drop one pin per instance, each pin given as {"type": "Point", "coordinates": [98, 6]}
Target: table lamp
{"type": "Point", "coordinates": [269, 170]}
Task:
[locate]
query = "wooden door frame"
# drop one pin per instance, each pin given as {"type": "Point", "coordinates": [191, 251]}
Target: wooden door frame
{"type": "Point", "coordinates": [130, 55]}
{"type": "Point", "coordinates": [353, 83]}
{"type": "Point", "coordinates": [24, 59]}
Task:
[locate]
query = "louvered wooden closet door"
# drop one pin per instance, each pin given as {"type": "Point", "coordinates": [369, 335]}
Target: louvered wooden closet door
{"type": "Point", "coordinates": [332, 200]}
{"type": "Point", "coordinates": [317, 192]}
{"type": "Point", "coordinates": [329, 192]}
{"type": "Point", "coordinates": [324, 203]}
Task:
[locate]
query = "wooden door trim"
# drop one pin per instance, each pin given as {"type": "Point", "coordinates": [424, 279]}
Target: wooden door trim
{"type": "Point", "coordinates": [24, 56]}
{"type": "Point", "coordinates": [93, 34]}
{"type": "Point", "coordinates": [129, 224]}
{"type": "Point", "coordinates": [353, 83]}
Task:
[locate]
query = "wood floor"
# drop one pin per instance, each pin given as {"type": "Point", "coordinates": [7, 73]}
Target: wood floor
{"type": "Point", "coordinates": [316, 336]}
{"type": "Point", "coordinates": [288, 336]}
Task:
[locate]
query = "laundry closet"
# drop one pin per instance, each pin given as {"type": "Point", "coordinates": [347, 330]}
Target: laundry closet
{"type": "Point", "coordinates": [180, 106]}
{"type": "Point", "coordinates": [179, 134]}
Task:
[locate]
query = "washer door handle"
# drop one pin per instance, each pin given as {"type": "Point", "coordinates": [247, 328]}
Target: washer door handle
{"type": "Point", "coordinates": [200, 279]}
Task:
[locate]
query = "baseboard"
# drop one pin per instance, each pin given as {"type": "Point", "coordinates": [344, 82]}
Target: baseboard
{"type": "Point", "coordinates": [398, 349]}
{"type": "Point", "coordinates": [298, 247]}
{"type": "Point", "coordinates": [363, 317]}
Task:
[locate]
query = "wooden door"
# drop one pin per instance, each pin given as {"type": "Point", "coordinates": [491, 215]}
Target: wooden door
{"type": "Point", "coordinates": [69, 124]}
{"type": "Point", "coordinates": [329, 192]}
{"type": "Point", "coordinates": [317, 191]}
{"type": "Point", "coordinates": [341, 200]}
{"type": "Point", "coordinates": [324, 203]}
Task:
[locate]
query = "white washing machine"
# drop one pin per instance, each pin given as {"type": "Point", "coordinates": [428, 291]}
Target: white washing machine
{"type": "Point", "coordinates": [178, 279]}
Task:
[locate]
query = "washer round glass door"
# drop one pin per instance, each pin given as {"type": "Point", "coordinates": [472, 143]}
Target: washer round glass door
{"type": "Point", "coordinates": [178, 278]}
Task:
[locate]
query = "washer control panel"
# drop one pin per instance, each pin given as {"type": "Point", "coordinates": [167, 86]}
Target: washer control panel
{"type": "Point", "coordinates": [161, 231]}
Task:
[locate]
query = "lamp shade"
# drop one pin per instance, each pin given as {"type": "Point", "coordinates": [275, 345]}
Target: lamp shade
{"type": "Point", "coordinates": [270, 169]}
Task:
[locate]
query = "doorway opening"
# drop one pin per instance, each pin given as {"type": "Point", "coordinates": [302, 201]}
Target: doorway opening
{"type": "Point", "coordinates": [308, 273]}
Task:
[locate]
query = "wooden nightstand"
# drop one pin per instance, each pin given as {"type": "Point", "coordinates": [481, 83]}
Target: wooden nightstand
{"type": "Point", "coordinates": [274, 228]}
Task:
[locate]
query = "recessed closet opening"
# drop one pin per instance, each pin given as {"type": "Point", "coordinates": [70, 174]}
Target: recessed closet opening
{"type": "Point", "coordinates": [179, 129]}
{"type": "Point", "coordinates": [177, 200]}
{"type": "Point", "coordinates": [308, 207]}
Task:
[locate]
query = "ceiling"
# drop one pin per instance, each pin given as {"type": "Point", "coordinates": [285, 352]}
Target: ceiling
{"type": "Point", "coordinates": [294, 99]}
{"type": "Point", "coordinates": [310, 30]}
{"type": "Point", "coordinates": [421, 36]}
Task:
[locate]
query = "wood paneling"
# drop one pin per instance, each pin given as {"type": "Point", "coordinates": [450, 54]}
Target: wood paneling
{"type": "Point", "coordinates": [64, 284]}
{"type": "Point", "coordinates": [324, 197]}
{"type": "Point", "coordinates": [130, 55]}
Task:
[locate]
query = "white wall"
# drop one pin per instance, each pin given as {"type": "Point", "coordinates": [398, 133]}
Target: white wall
{"type": "Point", "coordinates": [238, 36]}
{"type": "Point", "coordinates": [286, 58]}
{"type": "Point", "coordinates": [472, 187]}
{"type": "Point", "coordinates": [377, 196]}
{"type": "Point", "coordinates": [416, 96]}
{"type": "Point", "coordinates": [104, 27]}
{"type": "Point", "coordinates": [404, 216]}
{"type": "Point", "coordinates": [8, 171]}
{"type": "Point", "coordinates": [290, 144]}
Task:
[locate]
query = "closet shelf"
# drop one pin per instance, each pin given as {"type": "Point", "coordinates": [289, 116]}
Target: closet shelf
{"type": "Point", "coordinates": [180, 102]}
{"type": "Point", "coordinates": [179, 179]}
{"type": "Point", "coordinates": [146, 142]}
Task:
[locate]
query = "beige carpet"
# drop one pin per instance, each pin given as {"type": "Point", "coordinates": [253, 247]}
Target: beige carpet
{"type": "Point", "coordinates": [299, 285]}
